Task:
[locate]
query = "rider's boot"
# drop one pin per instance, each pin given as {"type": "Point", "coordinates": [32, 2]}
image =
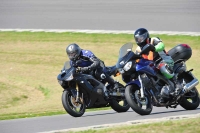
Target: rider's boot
{"type": "Point", "coordinates": [114, 85]}
{"type": "Point", "coordinates": [164, 94]}
{"type": "Point", "coordinates": [178, 86]}
{"type": "Point", "coordinates": [161, 100]}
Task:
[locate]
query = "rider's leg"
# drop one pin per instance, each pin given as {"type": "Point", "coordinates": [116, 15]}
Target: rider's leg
{"type": "Point", "coordinates": [169, 74]}
{"type": "Point", "coordinates": [104, 76]}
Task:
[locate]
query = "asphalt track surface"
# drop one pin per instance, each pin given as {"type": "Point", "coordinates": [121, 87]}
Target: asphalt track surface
{"type": "Point", "coordinates": [155, 15]}
{"type": "Point", "coordinates": [60, 122]}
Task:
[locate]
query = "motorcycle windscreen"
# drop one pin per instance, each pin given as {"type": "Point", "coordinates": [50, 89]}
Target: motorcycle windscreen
{"type": "Point", "coordinates": [125, 53]}
{"type": "Point", "coordinates": [66, 65]}
{"type": "Point", "coordinates": [125, 49]}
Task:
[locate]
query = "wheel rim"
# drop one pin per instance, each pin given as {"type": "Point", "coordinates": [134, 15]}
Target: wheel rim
{"type": "Point", "coordinates": [191, 96]}
{"type": "Point", "coordinates": [122, 103]}
{"type": "Point", "coordinates": [75, 106]}
{"type": "Point", "coordinates": [142, 103]}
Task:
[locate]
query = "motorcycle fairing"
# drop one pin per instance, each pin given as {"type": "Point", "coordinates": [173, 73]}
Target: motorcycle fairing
{"type": "Point", "coordinates": [91, 86]}
{"type": "Point", "coordinates": [122, 61]}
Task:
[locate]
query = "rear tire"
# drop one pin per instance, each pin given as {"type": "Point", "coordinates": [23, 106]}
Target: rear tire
{"type": "Point", "coordinates": [115, 105]}
{"type": "Point", "coordinates": [131, 92]}
{"type": "Point", "coordinates": [190, 103]}
{"type": "Point", "coordinates": [119, 104]}
{"type": "Point", "coordinates": [190, 100]}
{"type": "Point", "coordinates": [74, 109]}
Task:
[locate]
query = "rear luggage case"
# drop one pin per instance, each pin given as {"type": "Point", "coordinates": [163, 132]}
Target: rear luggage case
{"type": "Point", "coordinates": [181, 51]}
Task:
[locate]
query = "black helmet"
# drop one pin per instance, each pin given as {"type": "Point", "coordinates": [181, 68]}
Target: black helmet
{"type": "Point", "coordinates": [141, 36]}
{"type": "Point", "coordinates": [73, 51]}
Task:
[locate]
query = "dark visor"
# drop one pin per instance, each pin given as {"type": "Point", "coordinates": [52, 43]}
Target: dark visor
{"type": "Point", "coordinates": [140, 38]}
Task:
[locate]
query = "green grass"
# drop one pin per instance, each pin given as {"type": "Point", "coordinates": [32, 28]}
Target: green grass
{"type": "Point", "coordinates": [40, 113]}
{"type": "Point", "coordinates": [31, 61]}
{"type": "Point", "coordinates": [170, 126]}
{"type": "Point", "coordinates": [44, 90]}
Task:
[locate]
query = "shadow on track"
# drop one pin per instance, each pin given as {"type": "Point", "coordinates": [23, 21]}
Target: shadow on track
{"type": "Point", "coordinates": [172, 111]}
{"type": "Point", "coordinates": [105, 113]}
{"type": "Point", "coordinates": [129, 111]}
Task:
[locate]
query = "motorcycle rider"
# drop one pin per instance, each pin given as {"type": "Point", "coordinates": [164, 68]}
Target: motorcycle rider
{"type": "Point", "coordinates": [86, 62]}
{"type": "Point", "coordinates": [158, 54]}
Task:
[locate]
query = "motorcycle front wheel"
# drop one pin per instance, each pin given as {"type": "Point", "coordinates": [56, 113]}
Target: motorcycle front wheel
{"type": "Point", "coordinates": [75, 109]}
{"type": "Point", "coordinates": [140, 105]}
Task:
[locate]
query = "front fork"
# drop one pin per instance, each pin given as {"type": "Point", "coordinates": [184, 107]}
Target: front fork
{"type": "Point", "coordinates": [141, 88]}
{"type": "Point", "coordinates": [79, 99]}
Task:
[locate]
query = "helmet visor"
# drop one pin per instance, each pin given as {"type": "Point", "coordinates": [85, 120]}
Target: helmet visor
{"type": "Point", "coordinates": [141, 38]}
{"type": "Point", "coordinates": [72, 56]}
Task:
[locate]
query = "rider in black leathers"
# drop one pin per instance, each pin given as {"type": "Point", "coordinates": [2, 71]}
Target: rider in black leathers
{"type": "Point", "coordinates": [86, 62]}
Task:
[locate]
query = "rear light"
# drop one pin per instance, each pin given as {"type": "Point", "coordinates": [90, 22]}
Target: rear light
{"type": "Point", "coordinates": [185, 45]}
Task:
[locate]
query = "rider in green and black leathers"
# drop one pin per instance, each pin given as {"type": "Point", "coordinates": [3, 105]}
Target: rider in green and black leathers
{"type": "Point", "coordinates": [158, 54]}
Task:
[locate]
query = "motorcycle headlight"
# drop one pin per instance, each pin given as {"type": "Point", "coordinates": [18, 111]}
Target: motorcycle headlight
{"type": "Point", "coordinates": [69, 78]}
{"type": "Point", "coordinates": [128, 66]}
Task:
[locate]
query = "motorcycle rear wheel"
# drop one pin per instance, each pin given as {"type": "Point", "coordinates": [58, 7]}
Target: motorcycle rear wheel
{"type": "Point", "coordinates": [131, 92]}
{"type": "Point", "coordinates": [191, 100]}
{"type": "Point", "coordinates": [71, 107]}
{"type": "Point", "coordinates": [119, 105]}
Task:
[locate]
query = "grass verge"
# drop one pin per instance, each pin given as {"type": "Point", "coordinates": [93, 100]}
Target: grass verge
{"type": "Point", "coordinates": [189, 125]}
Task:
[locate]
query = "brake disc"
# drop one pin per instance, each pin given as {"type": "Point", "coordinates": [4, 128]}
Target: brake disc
{"type": "Point", "coordinates": [143, 101]}
{"type": "Point", "coordinates": [74, 103]}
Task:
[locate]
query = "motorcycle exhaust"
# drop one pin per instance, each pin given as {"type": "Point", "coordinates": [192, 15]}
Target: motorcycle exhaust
{"type": "Point", "coordinates": [190, 85]}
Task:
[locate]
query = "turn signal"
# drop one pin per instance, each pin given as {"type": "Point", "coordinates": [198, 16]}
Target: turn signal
{"type": "Point", "coordinates": [117, 74]}
{"type": "Point", "coordinates": [137, 60]}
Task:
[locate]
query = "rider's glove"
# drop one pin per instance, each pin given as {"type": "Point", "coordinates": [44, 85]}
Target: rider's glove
{"type": "Point", "coordinates": [149, 46]}
{"type": "Point", "coordinates": [78, 69]}
{"type": "Point", "coordinates": [82, 69]}
{"type": "Point", "coordinates": [152, 48]}
{"type": "Point", "coordinates": [74, 64]}
{"type": "Point", "coordinates": [138, 56]}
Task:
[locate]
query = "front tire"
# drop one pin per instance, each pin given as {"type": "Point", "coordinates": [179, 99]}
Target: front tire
{"type": "Point", "coordinates": [71, 107]}
{"type": "Point", "coordinates": [140, 106]}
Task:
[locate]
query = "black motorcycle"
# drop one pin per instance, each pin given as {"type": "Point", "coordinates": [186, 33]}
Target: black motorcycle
{"type": "Point", "coordinates": [84, 91]}
{"type": "Point", "coordinates": [145, 81]}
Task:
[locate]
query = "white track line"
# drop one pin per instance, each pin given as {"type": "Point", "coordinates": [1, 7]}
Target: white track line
{"type": "Point", "coordinates": [102, 31]}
